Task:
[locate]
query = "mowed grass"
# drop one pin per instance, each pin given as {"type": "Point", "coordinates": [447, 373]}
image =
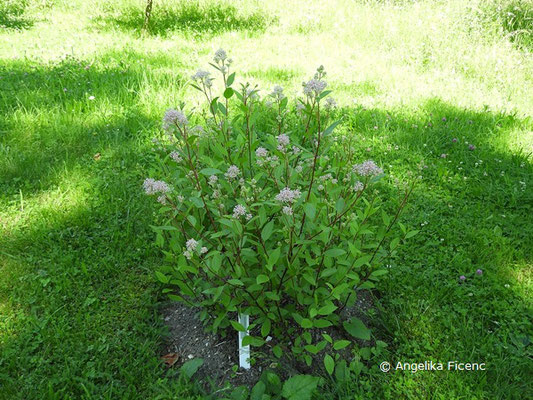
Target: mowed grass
{"type": "Point", "coordinates": [82, 92]}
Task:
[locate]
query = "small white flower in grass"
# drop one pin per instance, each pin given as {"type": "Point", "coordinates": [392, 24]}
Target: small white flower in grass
{"type": "Point", "coordinates": [180, 198]}
{"type": "Point", "coordinates": [162, 199]}
{"type": "Point", "coordinates": [187, 254]}
{"type": "Point", "coordinates": [320, 188]}
{"type": "Point", "coordinates": [91, 97]}
{"type": "Point", "coordinates": [367, 168]}
{"type": "Point", "coordinates": [238, 211]}
{"type": "Point", "coordinates": [203, 250]}
{"type": "Point", "coordinates": [299, 168]}
{"type": "Point", "coordinates": [334, 181]}
{"type": "Point", "coordinates": [232, 172]}
{"type": "Point", "coordinates": [287, 210]}
{"type": "Point", "coordinates": [288, 196]}
{"type": "Point", "coordinates": [296, 150]}
{"type": "Point", "coordinates": [248, 217]}
{"type": "Point", "coordinates": [176, 156]}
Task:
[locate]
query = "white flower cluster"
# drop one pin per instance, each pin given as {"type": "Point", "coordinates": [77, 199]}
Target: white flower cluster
{"type": "Point", "coordinates": [232, 172]}
{"type": "Point", "coordinates": [151, 186]}
{"type": "Point", "coordinates": [202, 77]}
{"type": "Point", "coordinates": [277, 93]}
{"type": "Point", "coordinates": [358, 186]}
{"type": "Point", "coordinates": [239, 210]}
{"type": "Point", "coordinates": [283, 142]}
{"type": "Point", "coordinates": [287, 210]}
{"type": "Point", "coordinates": [213, 179]}
{"type": "Point", "coordinates": [192, 246]}
{"type": "Point", "coordinates": [314, 87]}
{"type": "Point", "coordinates": [262, 157]}
{"type": "Point", "coordinates": [220, 56]}
{"type": "Point", "coordinates": [367, 168]}
{"type": "Point", "coordinates": [288, 196]}
{"type": "Point", "coordinates": [174, 117]}
{"type": "Point", "coordinates": [176, 156]}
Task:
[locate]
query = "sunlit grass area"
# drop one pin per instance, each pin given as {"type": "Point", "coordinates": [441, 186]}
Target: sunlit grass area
{"type": "Point", "coordinates": [82, 92]}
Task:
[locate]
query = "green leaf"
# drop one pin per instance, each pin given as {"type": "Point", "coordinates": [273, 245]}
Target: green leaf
{"type": "Point", "coordinates": [339, 205]}
{"type": "Point", "coordinates": [191, 366]}
{"type": "Point", "coordinates": [327, 309]}
{"type": "Point", "coordinates": [210, 171]}
{"type": "Point", "coordinates": [277, 351]}
{"type": "Point", "coordinates": [267, 231]}
{"type": "Point", "coordinates": [237, 326]}
{"type": "Point", "coordinates": [341, 344]}
{"type": "Point", "coordinates": [230, 80]}
{"type": "Point", "coordinates": [265, 328]}
{"type": "Point", "coordinates": [306, 323]}
{"type": "Point", "coordinates": [261, 278]}
{"type": "Point", "coordinates": [257, 391]}
{"type": "Point", "coordinates": [357, 328]}
{"type": "Point", "coordinates": [273, 258]}
{"type": "Point", "coordinates": [236, 282]}
{"type": "Point", "coordinates": [334, 252]}
{"type": "Point", "coordinates": [394, 243]}
{"type": "Point", "coordinates": [329, 363]}
{"type": "Point", "coordinates": [299, 387]}
{"type": "Point", "coordinates": [411, 234]}
{"type": "Point", "coordinates": [162, 277]}
{"type": "Point", "coordinates": [228, 93]}
{"type": "Point", "coordinates": [310, 210]}
{"type": "Point", "coordinates": [330, 128]}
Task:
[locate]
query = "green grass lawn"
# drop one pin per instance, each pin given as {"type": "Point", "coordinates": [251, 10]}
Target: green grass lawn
{"type": "Point", "coordinates": [82, 93]}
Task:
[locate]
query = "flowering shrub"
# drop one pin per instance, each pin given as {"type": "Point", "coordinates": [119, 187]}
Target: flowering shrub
{"type": "Point", "coordinates": [278, 222]}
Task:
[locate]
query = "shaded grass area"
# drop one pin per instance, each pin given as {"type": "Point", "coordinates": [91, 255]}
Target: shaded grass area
{"type": "Point", "coordinates": [81, 316]}
{"type": "Point", "coordinates": [196, 18]}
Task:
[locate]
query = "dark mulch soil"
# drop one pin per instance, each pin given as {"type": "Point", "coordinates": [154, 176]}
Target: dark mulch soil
{"type": "Point", "coordinates": [189, 340]}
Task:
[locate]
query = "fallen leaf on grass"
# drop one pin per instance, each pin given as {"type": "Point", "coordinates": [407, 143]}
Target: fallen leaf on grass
{"type": "Point", "coordinates": [97, 156]}
{"type": "Point", "coordinates": [170, 359]}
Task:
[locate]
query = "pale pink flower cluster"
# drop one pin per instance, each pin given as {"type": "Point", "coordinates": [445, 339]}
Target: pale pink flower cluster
{"type": "Point", "coordinates": [232, 172]}
{"type": "Point", "coordinates": [174, 117]}
{"type": "Point", "coordinates": [213, 179]}
{"type": "Point", "coordinates": [261, 152]}
{"type": "Point", "coordinates": [220, 55]}
{"type": "Point", "coordinates": [239, 210]}
{"type": "Point", "coordinates": [330, 103]}
{"type": "Point", "coordinates": [288, 196]}
{"type": "Point", "coordinates": [358, 186]}
{"type": "Point", "coordinates": [277, 93]}
{"type": "Point", "coordinates": [151, 186]}
{"type": "Point", "coordinates": [367, 168]}
{"type": "Point", "coordinates": [287, 210]}
{"type": "Point", "coordinates": [192, 246]}
{"type": "Point", "coordinates": [314, 87]}
{"type": "Point", "coordinates": [283, 142]}
{"type": "Point", "coordinates": [176, 156]}
{"type": "Point", "coordinates": [202, 77]}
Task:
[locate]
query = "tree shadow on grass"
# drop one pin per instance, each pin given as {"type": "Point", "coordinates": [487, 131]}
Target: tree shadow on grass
{"type": "Point", "coordinates": [189, 18]}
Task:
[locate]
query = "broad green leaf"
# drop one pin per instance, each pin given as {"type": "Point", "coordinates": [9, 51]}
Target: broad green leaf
{"type": "Point", "coordinates": [334, 252]}
{"type": "Point", "coordinates": [261, 278]}
{"type": "Point", "coordinates": [329, 364]}
{"type": "Point", "coordinates": [191, 366]}
{"type": "Point", "coordinates": [228, 93]}
{"type": "Point", "coordinates": [306, 323]}
{"type": "Point", "coordinates": [300, 387]}
{"type": "Point", "coordinates": [161, 277]}
{"type": "Point", "coordinates": [257, 391]}
{"type": "Point", "coordinates": [327, 309]}
{"type": "Point", "coordinates": [355, 327]}
{"type": "Point", "coordinates": [267, 231]}
{"type": "Point", "coordinates": [341, 344]}
{"type": "Point", "coordinates": [237, 326]}
{"type": "Point", "coordinates": [310, 210]}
